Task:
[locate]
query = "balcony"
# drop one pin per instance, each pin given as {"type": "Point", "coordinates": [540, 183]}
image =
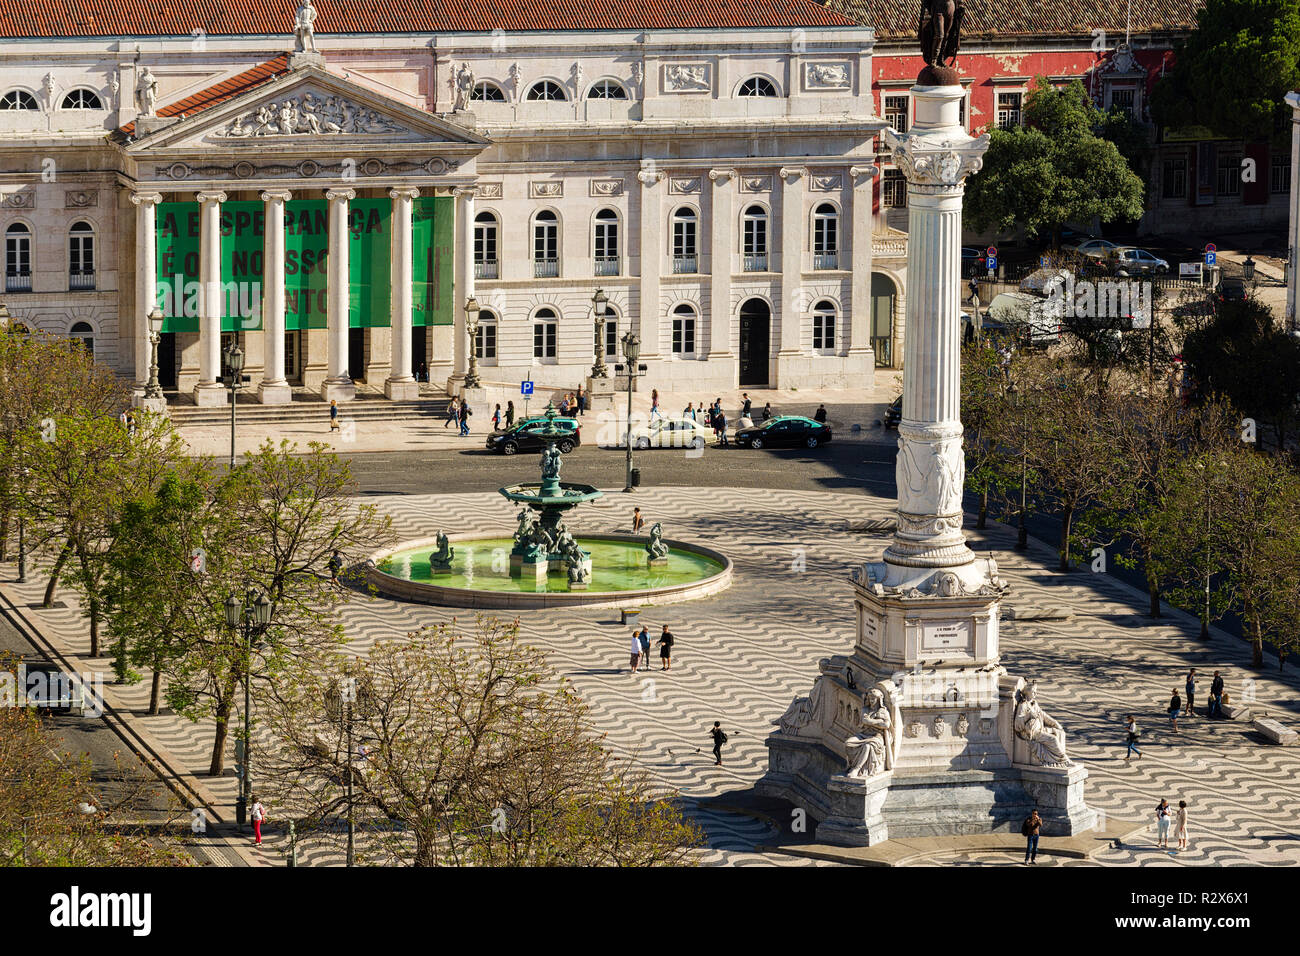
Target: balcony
{"type": "Point", "coordinates": [18, 282]}
{"type": "Point", "coordinates": [546, 268]}
{"type": "Point", "coordinates": [684, 265]}
{"type": "Point", "coordinates": [889, 247]}
{"type": "Point", "coordinates": [487, 269]}
{"type": "Point", "coordinates": [81, 281]}
{"type": "Point", "coordinates": [826, 260]}
{"type": "Point", "coordinates": [606, 265]}
{"type": "Point", "coordinates": [757, 263]}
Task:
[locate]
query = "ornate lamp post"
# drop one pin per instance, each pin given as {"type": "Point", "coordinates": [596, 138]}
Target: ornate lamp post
{"type": "Point", "coordinates": [253, 616]}
{"type": "Point", "coordinates": [4, 316]}
{"type": "Point", "coordinates": [631, 352]}
{"type": "Point", "coordinates": [345, 701]}
{"type": "Point", "coordinates": [599, 301]}
{"type": "Point", "coordinates": [471, 329]}
{"type": "Point", "coordinates": [153, 389]}
{"type": "Point", "coordinates": [1248, 271]}
{"type": "Point", "coordinates": [235, 365]}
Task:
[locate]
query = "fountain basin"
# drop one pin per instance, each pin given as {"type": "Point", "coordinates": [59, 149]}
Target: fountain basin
{"type": "Point", "coordinates": [621, 576]}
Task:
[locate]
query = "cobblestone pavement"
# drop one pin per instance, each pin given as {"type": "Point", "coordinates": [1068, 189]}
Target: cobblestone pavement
{"type": "Point", "coordinates": [743, 654]}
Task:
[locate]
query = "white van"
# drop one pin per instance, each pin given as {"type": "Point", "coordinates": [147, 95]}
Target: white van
{"type": "Point", "coordinates": [1033, 317]}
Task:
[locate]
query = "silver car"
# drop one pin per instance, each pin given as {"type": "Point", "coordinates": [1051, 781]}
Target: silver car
{"type": "Point", "coordinates": [1130, 261]}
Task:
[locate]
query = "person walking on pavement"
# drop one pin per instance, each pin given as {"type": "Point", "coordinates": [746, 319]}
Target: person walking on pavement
{"type": "Point", "coordinates": [1132, 733]}
{"type": "Point", "coordinates": [1180, 824]}
{"type": "Point", "coordinates": [721, 422]}
{"type": "Point", "coordinates": [719, 738]}
{"type": "Point", "coordinates": [636, 651]}
{"type": "Point", "coordinates": [1175, 705]}
{"type": "Point", "coordinates": [464, 419]}
{"type": "Point", "coordinates": [496, 418]}
{"type": "Point", "coordinates": [582, 401]}
{"type": "Point", "coordinates": [335, 566]}
{"type": "Point", "coordinates": [334, 415]}
{"type": "Point", "coordinates": [1031, 828]}
{"type": "Point", "coordinates": [1191, 692]}
{"type": "Point", "coordinates": [820, 417]}
{"type": "Point", "coordinates": [643, 638]}
{"type": "Point", "coordinates": [666, 649]}
{"type": "Point", "coordinates": [510, 414]}
{"type": "Point", "coordinates": [453, 413]}
{"type": "Point", "coordinates": [637, 520]}
{"type": "Point", "coordinates": [767, 411]}
{"type": "Point", "coordinates": [1163, 818]}
{"type": "Point", "coordinates": [1216, 696]}
{"type": "Point", "coordinates": [746, 406]}
{"type": "Point", "coordinates": [259, 815]}
{"type": "Point", "coordinates": [654, 404]}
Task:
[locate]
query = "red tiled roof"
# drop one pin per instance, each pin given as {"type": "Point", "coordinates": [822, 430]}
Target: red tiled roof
{"type": "Point", "coordinates": [112, 18]}
{"type": "Point", "coordinates": [226, 89]}
{"type": "Point", "coordinates": [897, 19]}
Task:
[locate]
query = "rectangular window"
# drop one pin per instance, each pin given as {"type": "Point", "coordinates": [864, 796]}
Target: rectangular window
{"type": "Point", "coordinates": [683, 336]}
{"type": "Point", "coordinates": [1124, 99]}
{"type": "Point", "coordinates": [1174, 177]}
{"type": "Point", "coordinates": [1279, 173]}
{"type": "Point", "coordinates": [893, 190]}
{"type": "Point", "coordinates": [961, 112]}
{"type": "Point", "coordinates": [611, 338]}
{"type": "Point", "coordinates": [607, 248]}
{"type": "Point", "coordinates": [1228, 179]}
{"type": "Point", "coordinates": [823, 330]}
{"type": "Point", "coordinates": [485, 251]}
{"type": "Point", "coordinates": [485, 341]}
{"type": "Point", "coordinates": [544, 340]}
{"type": "Point", "coordinates": [896, 112]}
{"type": "Point", "coordinates": [1009, 109]}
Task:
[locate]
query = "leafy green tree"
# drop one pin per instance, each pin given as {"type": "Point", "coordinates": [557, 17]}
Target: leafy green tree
{"type": "Point", "coordinates": [1053, 170]}
{"type": "Point", "coordinates": [986, 416]}
{"type": "Point", "coordinates": [1233, 72]}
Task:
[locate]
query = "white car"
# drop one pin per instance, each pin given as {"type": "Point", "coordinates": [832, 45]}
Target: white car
{"type": "Point", "coordinates": [1092, 248]}
{"type": "Point", "coordinates": [671, 433]}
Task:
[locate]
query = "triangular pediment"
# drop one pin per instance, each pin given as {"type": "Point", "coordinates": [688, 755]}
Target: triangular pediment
{"type": "Point", "coordinates": [305, 109]}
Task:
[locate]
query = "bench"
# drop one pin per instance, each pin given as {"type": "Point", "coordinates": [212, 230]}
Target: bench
{"type": "Point", "coordinates": [1276, 731]}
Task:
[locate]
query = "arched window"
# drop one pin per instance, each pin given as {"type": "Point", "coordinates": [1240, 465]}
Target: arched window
{"type": "Point", "coordinates": [754, 239]}
{"type": "Point", "coordinates": [487, 92]}
{"type": "Point", "coordinates": [546, 245]}
{"type": "Point", "coordinates": [684, 331]}
{"type": "Point", "coordinates": [18, 100]}
{"type": "Point", "coordinates": [823, 326]}
{"type": "Point", "coordinates": [758, 86]}
{"type": "Point", "coordinates": [545, 332]}
{"type": "Point", "coordinates": [684, 241]}
{"type": "Point", "coordinates": [486, 263]}
{"type": "Point", "coordinates": [81, 99]}
{"type": "Point", "coordinates": [83, 333]}
{"type": "Point", "coordinates": [607, 90]}
{"type": "Point", "coordinates": [546, 90]}
{"type": "Point", "coordinates": [81, 256]}
{"type": "Point", "coordinates": [826, 237]}
{"type": "Point", "coordinates": [485, 337]}
{"type": "Point", "coordinates": [606, 243]}
{"type": "Point", "coordinates": [18, 258]}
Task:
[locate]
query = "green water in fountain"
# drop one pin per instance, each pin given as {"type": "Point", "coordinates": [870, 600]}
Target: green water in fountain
{"type": "Point", "coordinates": [483, 564]}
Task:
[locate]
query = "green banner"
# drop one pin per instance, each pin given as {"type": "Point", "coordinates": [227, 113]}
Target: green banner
{"type": "Point", "coordinates": [177, 236]}
{"type": "Point", "coordinates": [370, 280]}
{"type": "Point", "coordinates": [306, 264]}
{"type": "Point", "coordinates": [243, 229]}
{"type": "Point", "coordinates": [433, 226]}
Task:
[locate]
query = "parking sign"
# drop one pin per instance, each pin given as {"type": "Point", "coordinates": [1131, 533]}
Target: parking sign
{"type": "Point", "coordinates": [1211, 253]}
{"type": "Point", "coordinates": [992, 263]}
{"type": "Point", "coordinates": [526, 389]}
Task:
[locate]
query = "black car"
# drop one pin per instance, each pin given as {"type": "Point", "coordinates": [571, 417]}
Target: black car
{"type": "Point", "coordinates": [973, 262]}
{"type": "Point", "coordinates": [787, 431]}
{"type": "Point", "coordinates": [894, 413]}
{"type": "Point", "coordinates": [1232, 290]}
{"type": "Point", "coordinates": [525, 436]}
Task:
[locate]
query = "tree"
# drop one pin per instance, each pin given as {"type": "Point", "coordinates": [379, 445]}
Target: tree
{"type": "Point", "coordinates": [1233, 72]}
{"type": "Point", "coordinates": [985, 415]}
{"type": "Point", "coordinates": [475, 750]}
{"type": "Point", "coordinates": [1053, 170]}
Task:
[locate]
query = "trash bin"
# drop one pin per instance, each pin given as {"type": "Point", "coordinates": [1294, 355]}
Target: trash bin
{"type": "Point", "coordinates": [636, 477]}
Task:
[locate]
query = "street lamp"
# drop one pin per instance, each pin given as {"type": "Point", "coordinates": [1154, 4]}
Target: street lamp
{"type": "Point", "coordinates": [1022, 530]}
{"type": "Point", "coordinates": [471, 328]}
{"type": "Point", "coordinates": [599, 301]}
{"type": "Point", "coordinates": [347, 699]}
{"type": "Point", "coordinates": [22, 532]}
{"type": "Point", "coordinates": [631, 352]}
{"type": "Point", "coordinates": [252, 617]}
{"type": "Point", "coordinates": [154, 389]}
{"type": "Point", "coordinates": [235, 364]}
{"type": "Point", "coordinates": [1248, 271]}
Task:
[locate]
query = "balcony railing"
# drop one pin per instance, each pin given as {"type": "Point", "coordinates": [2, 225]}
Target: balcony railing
{"type": "Point", "coordinates": [889, 248]}
{"type": "Point", "coordinates": [81, 281]}
{"type": "Point", "coordinates": [546, 268]}
{"type": "Point", "coordinates": [826, 260]}
{"type": "Point", "coordinates": [18, 282]}
{"type": "Point", "coordinates": [606, 265]}
{"type": "Point", "coordinates": [487, 269]}
{"type": "Point", "coordinates": [756, 263]}
{"type": "Point", "coordinates": [684, 265]}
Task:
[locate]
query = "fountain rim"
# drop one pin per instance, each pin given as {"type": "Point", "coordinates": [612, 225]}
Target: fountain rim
{"type": "Point", "coordinates": [425, 592]}
{"type": "Point", "coordinates": [512, 493]}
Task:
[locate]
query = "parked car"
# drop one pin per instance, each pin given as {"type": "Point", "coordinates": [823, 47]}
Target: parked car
{"type": "Point", "coordinates": [1128, 261]}
{"type": "Point", "coordinates": [525, 436]}
{"type": "Point", "coordinates": [1030, 318]}
{"type": "Point", "coordinates": [1089, 246]}
{"type": "Point", "coordinates": [894, 413]}
{"type": "Point", "coordinates": [1041, 281]}
{"type": "Point", "coordinates": [1231, 289]}
{"type": "Point", "coordinates": [988, 326]}
{"type": "Point", "coordinates": [973, 262]}
{"type": "Point", "coordinates": [669, 433]}
{"type": "Point", "coordinates": [785, 431]}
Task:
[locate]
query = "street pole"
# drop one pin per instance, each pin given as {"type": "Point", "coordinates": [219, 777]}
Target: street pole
{"type": "Point", "coordinates": [22, 550]}
{"type": "Point", "coordinates": [627, 484]}
{"type": "Point", "coordinates": [351, 826]}
{"type": "Point", "coordinates": [1205, 614]}
{"type": "Point", "coordinates": [245, 783]}
{"type": "Point", "coordinates": [1022, 532]}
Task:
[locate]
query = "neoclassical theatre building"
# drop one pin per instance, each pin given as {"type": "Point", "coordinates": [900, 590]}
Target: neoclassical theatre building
{"type": "Point", "coordinates": [333, 184]}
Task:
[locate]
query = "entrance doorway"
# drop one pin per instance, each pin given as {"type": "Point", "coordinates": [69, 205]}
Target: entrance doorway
{"type": "Point", "coordinates": [167, 360]}
{"type": "Point", "coordinates": [755, 341]}
{"type": "Point", "coordinates": [419, 349]}
{"type": "Point", "coordinates": [883, 297]}
{"type": "Point", "coordinates": [356, 353]}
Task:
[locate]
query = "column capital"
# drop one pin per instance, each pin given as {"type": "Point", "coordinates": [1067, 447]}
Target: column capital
{"type": "Point", "coordinates": [151, 199]}
{"type": "Point", "coordinates": [650, 173]}
{"type": "Point", "coordinates": [211, 195]}
{"type": "Point", "coordinates": [404, 192]}
{"type": "Point", "coordinates": [870, 172]}
{"type": "Point", "coordinates": [791, 173]}
{"type": "Point", "coordinates": [722, 176]}
{"type": "Point", "coordinates": [276, 195]}
{"type": "Point", "coordinates": [340, 195]}
{"type": "Point", "coordinates": [465, 192]}
{"type": "Point", "coordinates": [928, 159]}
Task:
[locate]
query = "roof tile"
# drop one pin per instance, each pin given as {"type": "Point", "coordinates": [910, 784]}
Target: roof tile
{"type": "Point", "coordinates": [898, 19]}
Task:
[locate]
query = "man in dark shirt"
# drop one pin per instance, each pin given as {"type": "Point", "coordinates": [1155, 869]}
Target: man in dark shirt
{"type": "Point", "coordinates": [666, 649]}
{"type": "Point", "coordinates": [719, 738]}
{"type": "Point", "coordinates": [1191, 691]}
{"type": "Point", "coordinates": [746, 406]}
{"type": "Point", "coordinates": [1031, 827]}
{"type": "Point", "coordinates": [1216, 696]}
{"type": "Point", "coordinates": [820, 417]}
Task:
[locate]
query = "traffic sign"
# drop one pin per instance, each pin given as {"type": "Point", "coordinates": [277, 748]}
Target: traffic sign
{"type": "Point", "coordinates": [992, 251]}
{"type": "Point", "coordinates": [1043, 262]}
{"type": "Point", "coordinates": [992, 263]}
{"type": "Point", "coordinates": [526, 389]}
{"type": "Point", "coordinates": [1211, 247]}
{"type": "Point", "coordinates": [1210, 257]}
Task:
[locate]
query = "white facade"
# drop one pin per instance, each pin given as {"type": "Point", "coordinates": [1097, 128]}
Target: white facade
{"type": "Point", "coordinates": [731, 232]}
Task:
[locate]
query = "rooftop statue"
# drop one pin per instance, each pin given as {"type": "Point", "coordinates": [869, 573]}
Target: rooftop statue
{"type": "Point", "coordinates": [940, 33]}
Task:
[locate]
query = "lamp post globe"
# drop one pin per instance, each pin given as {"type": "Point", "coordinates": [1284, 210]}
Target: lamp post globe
{"type": "Point", "coordinates": [153, 389]}
{"type": "Point", "coordinates": [599, 309]}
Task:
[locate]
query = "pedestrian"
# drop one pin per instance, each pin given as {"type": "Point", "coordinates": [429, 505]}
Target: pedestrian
{"type": "Point", "coordinates": [1216, 696]}
{"type": "Point", "coordinates": [820, 416]}
{"type": "Point", "coordinates": [1175, 705]}
{"type": "Point", "coordinates": [1191, 692]}
{"type": "Point", "coordinates": [123, 418]}
{"type": "Point", "coordinates": [334, 415]}
{"type": "Point", "coordinates": [130, 423]}
{"type": "Point", "coordinates": [424, 372]}
{"type": "Point", "coordinates": [1031, 828]}
{"type": "Point", "coordinates": [1163, 816]}
{"type": "Point", "coordinates": [496, 418]}
{"type": "Point", "coordinates": [453, 413]}
{"type": "Point", "coordinates": [636, 651]}
{"type": "Point", "coordinates": [721, 423]}
{"type": "Point", "coordinates": [564, 404]}
{"type": "Point", "coordinates": [582, 401]}
{"type": "Point", "coordinates": [746, 406]}
{"type": "Point", "coordinates": [689, 411]}
{"type": "Point", "coordinates": [666, 649]}
{"type": "Point", "coordinates": [1004, 361]}
{"type": "Point", "coordinates": [637, 520]}
{"type": "Point", "coordinates": [719, 738]}
{"type": "Point", "coordinates": [464, 418]}
{"type": "Point", "coordinates": [1133, 734]}
{"type": "Point", "coordinates": [1180, 824]}
{"type": "Point", "coordinates": [654, 404]}
{"type": "Point", "coordinates": [510, 414]}
{"type": "Point", "coordinates": [259, 815]}
{"type": "Point", "coordinates": [644, 638]}
{"type": "Point", "coordinates": [335, 566]}
{"type": "Point", "coordinates": [767, 411]}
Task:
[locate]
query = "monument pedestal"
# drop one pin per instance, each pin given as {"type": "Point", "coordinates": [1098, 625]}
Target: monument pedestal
{"type": "Point", "coordinates": [601, 393]}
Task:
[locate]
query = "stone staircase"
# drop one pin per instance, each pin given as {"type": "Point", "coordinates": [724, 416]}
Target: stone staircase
{"type": "Point", "coordinates": [306, 407]}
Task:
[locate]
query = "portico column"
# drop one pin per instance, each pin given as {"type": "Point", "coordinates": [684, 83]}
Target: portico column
{"type": "Point", "coordinates": [722, 235]}
{"type": "Point", "coordinates": [146, 281]}
{"type": "Point", "coordinates": [209, 391]}
{"type": "Point", "coordinates": [861, 179]}
{"type": "Point", "coordinates": [274, 389]}
{"type": "Point", "coordinates": [652, 238]}
{"type": "Point", "coordinates": [401, 384]}
{"type": "Point", "coordinates": [793, 296]}
{"type": "Point", "coordinates": [338, 384]}
{"type": "Point", "coordinates": [464, 276]}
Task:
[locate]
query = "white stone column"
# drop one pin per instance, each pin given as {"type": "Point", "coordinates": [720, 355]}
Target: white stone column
{"type": "Point", "coordinates": [146, 281]}
{"type": "Point", "coordinates": [861, 180]}
{"type": "Point", "coordinates": [464, 277]}
{"type": "Point", "coordinates": [338, 384]}
{"type": "Point", "coordinates": [936, 155]}
{"type": "Point", "coordinates": [722, 237]}
{"type": "Point", "coordinates": [1293, 241]}
{"type": "Point", "coordinates": [653, 235]}
{"type": "Point", "coordinates": [793, 297]}
{"type": "Point", "coordinates": [274, 388]}
{"type": "Point", "coordinates": [209, 391]}
{"type": "Point", "coordinates": [401, 384]}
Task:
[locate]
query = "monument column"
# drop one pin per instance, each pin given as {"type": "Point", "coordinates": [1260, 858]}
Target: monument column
{"type": "Point", "coordinates": [338, 385]}
{"type": "Point", "coordinates": [274, 389]}
{"type": "Point", "coordinates": [401, 384]}
{"type": "Point", "coordinates": [722, 233]}
{"type": "Point", "coordinates": [209, 391]}
{"type": "Point", "coordinates": [652, 239]}
{"type": "Point", "coordinates": [861, 181]}
{"type": "Point", "coordinates": [146, 281]}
